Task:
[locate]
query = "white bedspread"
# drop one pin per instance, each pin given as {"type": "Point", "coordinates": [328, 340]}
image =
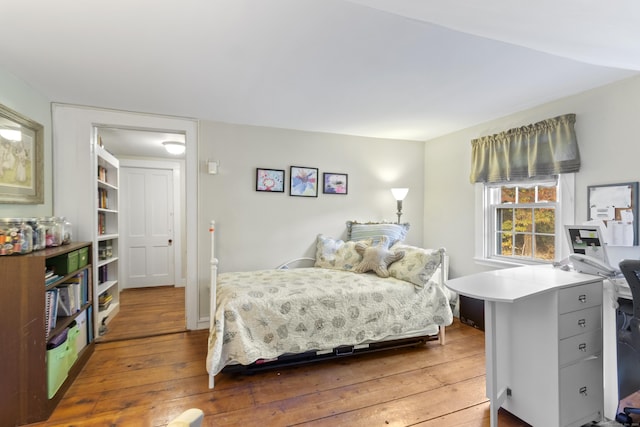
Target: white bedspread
{"type": "Point", "coordinates": [267, 313]}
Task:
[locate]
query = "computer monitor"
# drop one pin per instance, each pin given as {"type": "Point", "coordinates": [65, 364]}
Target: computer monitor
{"type": "Point", "coordinates": [587, 240]}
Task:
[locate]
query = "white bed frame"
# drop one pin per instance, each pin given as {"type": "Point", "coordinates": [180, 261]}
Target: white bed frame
{"type": "Point", "coordinates": [214, 281]}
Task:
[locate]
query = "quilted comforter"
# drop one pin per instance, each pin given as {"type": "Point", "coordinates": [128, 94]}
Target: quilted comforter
{"type": "Point", "coordinates": [267, 313]}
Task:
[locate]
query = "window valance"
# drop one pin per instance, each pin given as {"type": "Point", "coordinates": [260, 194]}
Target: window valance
{"type": "Point", "coordinates": [529, 152]}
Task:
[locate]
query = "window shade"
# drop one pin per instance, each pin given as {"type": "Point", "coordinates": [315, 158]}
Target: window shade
{"type": "Point", "coordinates": [534, 151]}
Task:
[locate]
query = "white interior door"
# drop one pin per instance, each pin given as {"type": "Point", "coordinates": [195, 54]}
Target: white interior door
{"type": "Point", "coordinates": [147, 210]}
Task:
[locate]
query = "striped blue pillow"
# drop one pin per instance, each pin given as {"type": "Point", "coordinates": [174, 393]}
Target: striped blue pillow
{"type": "Point", "coordinates": [376, 231]}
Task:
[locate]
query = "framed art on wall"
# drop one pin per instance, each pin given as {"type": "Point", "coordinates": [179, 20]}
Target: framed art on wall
{"type": "Point", "coordinates": [334, 183]}
{"type": "Point", "coordinates": [304, 181]}
{"type": "Point", "coordinates": [270, 180]}
{"type": "Point", "coordinates": [21, 158]}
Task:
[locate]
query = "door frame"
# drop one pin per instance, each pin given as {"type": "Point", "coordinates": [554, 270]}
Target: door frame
{"type": "Point", "coordinates": [178, 231]}
{"type": "Point", "coordinates": [75, 124]}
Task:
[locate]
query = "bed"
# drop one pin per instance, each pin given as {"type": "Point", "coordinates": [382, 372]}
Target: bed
{"type": "Point", "coordinates": [364, 294]}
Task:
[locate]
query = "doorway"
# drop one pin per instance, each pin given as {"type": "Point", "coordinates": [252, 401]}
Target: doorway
{"type": "Point", "coordinates": [151, 279]}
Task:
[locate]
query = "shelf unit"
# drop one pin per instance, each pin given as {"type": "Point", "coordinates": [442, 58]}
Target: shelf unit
{"type": "Point", "coordinates": [24, 393]}
{"type": "Point", "coordinates": [106, 239]}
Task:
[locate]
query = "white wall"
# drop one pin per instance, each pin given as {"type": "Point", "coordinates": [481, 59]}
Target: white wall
{"type": "Point", "coordinates": [608, 131]}
{"type": "Point", "coordinates": [262, 230]}
{"type": "Point", "coordinates": [18, 96]}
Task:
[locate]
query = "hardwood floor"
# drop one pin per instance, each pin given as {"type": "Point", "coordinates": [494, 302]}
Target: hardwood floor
{"type": "Point", "coordinates": [148, 381]}
{"type": "Point", "coordinates": [146, 312]}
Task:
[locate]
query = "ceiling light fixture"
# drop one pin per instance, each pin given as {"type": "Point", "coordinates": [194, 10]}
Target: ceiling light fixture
{"type": "Point", "coordinates": [174, 147]}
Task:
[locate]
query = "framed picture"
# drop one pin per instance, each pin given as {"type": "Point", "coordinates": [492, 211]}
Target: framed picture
{"type": "Point", "coordinates": [334, 183]}
{"type": "Point", "coordinates": [270, 180]}
{"type": "Point", "coordinates": [21, 158]}
{"type": "Point", "coordinates": [304, 181]}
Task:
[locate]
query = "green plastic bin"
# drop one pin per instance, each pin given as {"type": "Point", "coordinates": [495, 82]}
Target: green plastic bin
{"type": "Point", "coordinates": [57, 367]}
{"type": "Point", "coordinates": [64, 264]}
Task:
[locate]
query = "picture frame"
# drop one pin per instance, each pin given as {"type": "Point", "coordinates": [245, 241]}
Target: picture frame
{"type": "Point", "coordinates": [335, 183]}
{"type": "Point", "coordinates": [21, 158]}
{"type": "Point", "coordinates": [270, 180]}
{"type": "Point", "coordinates": [303, 181]}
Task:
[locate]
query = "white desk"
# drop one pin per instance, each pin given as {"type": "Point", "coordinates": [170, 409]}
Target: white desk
{"type": "Point", "coordinates": [543, 341]}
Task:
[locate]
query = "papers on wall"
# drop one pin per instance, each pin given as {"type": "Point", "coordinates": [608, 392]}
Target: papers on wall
{"type": "Point", "coordinates": [621, 233]}
{"type": "Point", "coordinates": [613, 206]}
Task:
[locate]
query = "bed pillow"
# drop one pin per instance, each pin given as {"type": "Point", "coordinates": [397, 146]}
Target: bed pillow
{"type": "Point", "coordinates": [336, 254]}
{"type": "Point", "coordinates": [417, 266]}
{"type": "Point", "coordinates": [376, 258]}
{"type": "Point", "coordinates": [376, 231]}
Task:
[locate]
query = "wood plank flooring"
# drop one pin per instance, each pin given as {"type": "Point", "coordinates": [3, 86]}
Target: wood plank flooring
{"type": "Point", "coordinates": [149, 381]}
{"type": "Point", "coordinates": [146, 312]}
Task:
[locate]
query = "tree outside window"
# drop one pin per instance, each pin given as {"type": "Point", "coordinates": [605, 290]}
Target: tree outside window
{"type": "Point", "coordinates": [525, 220]}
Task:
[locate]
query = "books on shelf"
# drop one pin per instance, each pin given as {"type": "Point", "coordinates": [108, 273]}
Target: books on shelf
{"type": "Point", "coordinates": [90, 324]}
{"type": "Point", "coordinates": [102, 223]}
{"type": "Point", "coordinates": [102, 173]}
{"type": "Point", "coordinates": [51, 310]}
{"type": "Point", "coordinates": [104, 301]}
{"type": "Point", "coordinates": [51, 279]}
{"type": "Point", "coordinates": [67, 304]}
{"type": "Point", "coordinates": [103, 274]}
{"type": "Point", "coordinates": [103, 198]}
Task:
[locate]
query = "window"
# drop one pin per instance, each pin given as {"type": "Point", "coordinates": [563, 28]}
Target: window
{"type": "Point", "coordinates": [524, 218]}
{"type": "Point", "coordinates": [522, 222]}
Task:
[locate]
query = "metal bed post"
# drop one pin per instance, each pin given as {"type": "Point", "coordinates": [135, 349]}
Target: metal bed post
{"type": "Point", "coordinates": [443, 277]}
{"type": "Point", "coordinates": [212, 288]}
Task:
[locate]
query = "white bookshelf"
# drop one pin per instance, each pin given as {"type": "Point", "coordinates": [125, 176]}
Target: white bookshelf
{"type": "Point", "coordinates": [107, 233]}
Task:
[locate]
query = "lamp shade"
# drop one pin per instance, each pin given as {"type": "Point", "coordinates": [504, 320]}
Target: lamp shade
{"type": "Point", "coordinates": [174, 147]}
{"type": "Point", "coordinates": [399, 193]}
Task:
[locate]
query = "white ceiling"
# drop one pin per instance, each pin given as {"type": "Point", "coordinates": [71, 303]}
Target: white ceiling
{"type": "Point", "coordinates": [404, 69]}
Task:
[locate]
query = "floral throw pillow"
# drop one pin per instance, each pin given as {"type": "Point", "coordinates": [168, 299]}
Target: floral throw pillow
{"type": "Point", "coordinates": [336, 254]}
{"type": "Point", "coordinates": [417, 266]}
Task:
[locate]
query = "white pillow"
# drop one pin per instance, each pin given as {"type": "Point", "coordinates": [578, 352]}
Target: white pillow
{"type": "Point", "coordinates": [375, 231]}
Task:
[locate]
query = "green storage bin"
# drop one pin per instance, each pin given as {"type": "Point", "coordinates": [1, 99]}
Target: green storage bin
{"type": "Point", "coordinates": [83, 257]}
{"type": "Point", "coordinates": [65, 264]}
{"type": "Point", "coordinates": [72, 337]}
{"type": "Point", "coordinates": [57, 367]}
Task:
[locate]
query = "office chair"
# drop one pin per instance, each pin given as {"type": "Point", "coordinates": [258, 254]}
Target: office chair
{"type": "Point", "coordinates": [629, 346]}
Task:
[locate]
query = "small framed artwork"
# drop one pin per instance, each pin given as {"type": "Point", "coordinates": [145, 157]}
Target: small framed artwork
{"type": "Point", "coordinates": [270, 180]}
{"type": "Point", "coordinates": [334, 183]}
{"type": "Point", "coordinates": [21, 158]}
{"type": "Point", "coordinates": [304, 181]}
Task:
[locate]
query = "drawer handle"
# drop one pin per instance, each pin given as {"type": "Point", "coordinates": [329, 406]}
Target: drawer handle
{"type": "Point", "coordinates": [582, 323]}
{"type": "Point", "coordinates": [583, 347]}
{"type": "Point", "coordinates": [583, 391]}
{"type": "Point", "coordinates": [582, 298]}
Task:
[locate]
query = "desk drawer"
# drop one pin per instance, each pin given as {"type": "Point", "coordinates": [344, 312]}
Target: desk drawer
{"type": "Point", "coordinates": [579, 322]}
{"type": "Point", "coordinates": [579, 297]}
{"type": "Point", "coordinates": [581, 390]}
{"type": "Point", "coordinates": [580, 347]}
